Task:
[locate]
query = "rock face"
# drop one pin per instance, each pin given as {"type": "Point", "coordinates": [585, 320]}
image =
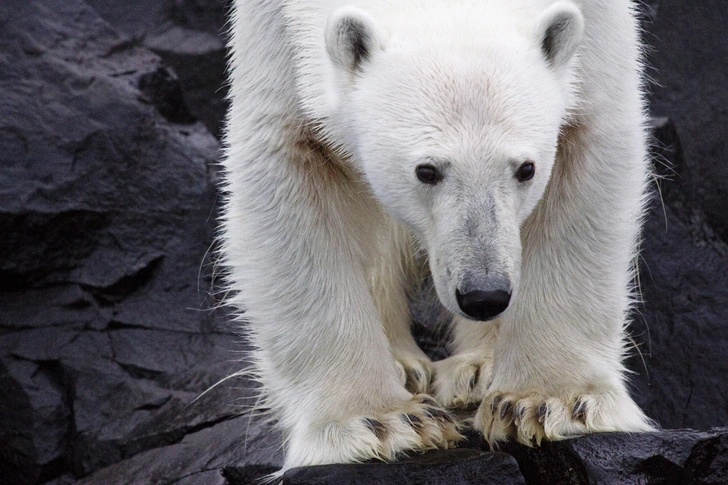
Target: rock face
{"type": "Point", "coordinates": [189, 36]}
{"type": "Point", "coordinates": [690, 61]}
{"type": "Point", "coordinates": [110, 335]}
{"type": "Point", "coordinates": [106, 213]}
{"type": "Point", "coordinates": [682, 328]}
{"type": "Point", "coordinates": [679, 457]}
{"type": "Point", "coordinates": [461, 466]}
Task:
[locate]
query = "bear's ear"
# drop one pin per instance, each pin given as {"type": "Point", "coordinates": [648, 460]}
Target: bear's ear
{"type": "Point", "coordinates": [352, 36]}
{"type": "Point", "coordinates": [559, 31]}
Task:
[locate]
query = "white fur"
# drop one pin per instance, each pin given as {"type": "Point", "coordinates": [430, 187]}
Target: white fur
{"type": "Point", "coordinates": [324, 213]}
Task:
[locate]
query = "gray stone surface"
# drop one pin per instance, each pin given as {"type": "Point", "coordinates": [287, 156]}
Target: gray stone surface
{"type": "Point", "coordinates": [200, 456]}
{"type": "Point", "coordinates": [689, 57]}
{"type": "Point", "coordinates": [679, 457]}
{"type": "Point", "coordinates": [190, 36]}
{"type": "Point", "coordinates": [461, 466]}
{"type": "Point", "coordinates": [674, 457]}
{"type": "Point", "coordinates": [107, 331]}
{"type": "Point", "coordinates": [681, 329]}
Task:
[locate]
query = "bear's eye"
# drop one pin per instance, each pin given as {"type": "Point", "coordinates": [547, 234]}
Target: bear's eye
{"type": "Point", "coordinates": [526, 172]}
{"type": "Point", "coordinates": [428, 174]}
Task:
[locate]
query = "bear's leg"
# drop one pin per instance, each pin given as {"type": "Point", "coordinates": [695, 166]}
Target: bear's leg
{"type": "Point", "coordinates": [557, 368]}
{"type": "Point", "coordinates": [298, 240]}
{"type": "Point", "coordinates": [462, 379]}
{"type": "Point", "coordinates": [393, 272]}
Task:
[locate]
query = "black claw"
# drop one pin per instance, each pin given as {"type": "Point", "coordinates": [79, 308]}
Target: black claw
{"type": "Point", "coordinates": [519, 412]}
{"type": "Point", "coordinates": [413, 420]}
{"type": "Point", "coordinates": [414, 377]}
{"type": "Point", "coordinates": [377, 428]}
{"type": "Point", "coordinates": [428, 400]}
{"type": "Point", "coordinates": [474, 380]}
{"type": "Point", "coordinates": [579, 412]}
{"type": "Point", "coordinates": [506, 409]}
{"type": "Point", "coordinates": [437, 413]}
{"type": "Point", "coordinates": [494, 404]}
{"type": "Point", "coordinates": [543, 411]}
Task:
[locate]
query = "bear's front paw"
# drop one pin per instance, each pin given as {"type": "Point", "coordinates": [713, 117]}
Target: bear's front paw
{"type": "Point", "coordinates": [419, 424]}
{"type": "Point", "coordinates": [531, 417]}
{"type": "Point", "coordinates": [415, 370]}
{"type": "Point", "coordinates": [462, 380]}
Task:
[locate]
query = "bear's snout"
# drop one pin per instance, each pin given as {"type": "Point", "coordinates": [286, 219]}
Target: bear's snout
{"type": "Point", "coordinates": [483, 302]}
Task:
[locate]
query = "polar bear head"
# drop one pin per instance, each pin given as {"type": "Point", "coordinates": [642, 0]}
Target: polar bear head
{"type": "Point", "coordinates": [455, 123]}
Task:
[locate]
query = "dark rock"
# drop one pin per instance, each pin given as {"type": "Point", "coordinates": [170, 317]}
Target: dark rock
{"type": "Point", "coordinates": [101, 168]}
{"type": "Point", "coordinates": [34, 416]}
{"type": "Point", "coordinates": [249, 474]}
{"type": "Point", "coordinates": [165, 92]}
{"type": "Point", "coordinates": [680, 329]}
{"type": "Point", "coordinates": [680, 457]}
{"type": "Point", "coordinates": [145, 401]}
{"type": "Point", "coordinates": [190, 36]}
{"type": "Point", "coordinates": [689, 62]}
{"type": "Point", "coordinates": [551, 463]}
{"type": "Point", "coordinates": [649, 10]}
{"type": "Point", "coordinates": [680, 334]}
{"type": "Point", "coordinates": [201, 75]}
{"type": "Point", "coordinates": [105, 338]}
{"type": "Point", "coordinates": [668, 159]}
{"type": "Point", "coordinates": [231, 445]}
{"type": "Point", "coordinates": [461, 466]}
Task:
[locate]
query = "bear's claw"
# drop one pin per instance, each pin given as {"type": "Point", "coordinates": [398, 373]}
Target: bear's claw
{"type": "Point", "coordinates": [532, 417]}
{"type": "Point", "coordinates": [529, 418]}
{"type": "Point", "coordinates": [376, 427]}
{"type": "Point", "coordinates": [543, 411]}
{"type": "Point", "coordinates": [579, 412]}
{"type": "Point", "coordinates": [416, 372]}
{"type": "Point", "coordinates": [417, 425]}
{"type": "Point", "coordinates": [432, 425]}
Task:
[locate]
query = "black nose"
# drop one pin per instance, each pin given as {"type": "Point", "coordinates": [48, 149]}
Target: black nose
{"type": "Point", "coordinates": [483, 305]}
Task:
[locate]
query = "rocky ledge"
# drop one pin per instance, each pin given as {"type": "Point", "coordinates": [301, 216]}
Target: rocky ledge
{"type": "Point", "coordinates": [682, 457]}
{"type": "Point", "coordinates": [111, 341]}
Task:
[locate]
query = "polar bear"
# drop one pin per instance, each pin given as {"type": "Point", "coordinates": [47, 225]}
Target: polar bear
{"type": "Point", "coordinates": [506, 140]}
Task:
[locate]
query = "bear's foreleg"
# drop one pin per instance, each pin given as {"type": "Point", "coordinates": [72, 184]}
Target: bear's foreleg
{"type": "Point", "coordinates": [392, 274]}
{"type": "Point", "coordinates": [295, 244]}
{"type": "Point", "coordinates": [463, 379]}
{"type": "Point", "coordinates": [296, 240]}
{"type": "Point", "coordinates": [558, 368]}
